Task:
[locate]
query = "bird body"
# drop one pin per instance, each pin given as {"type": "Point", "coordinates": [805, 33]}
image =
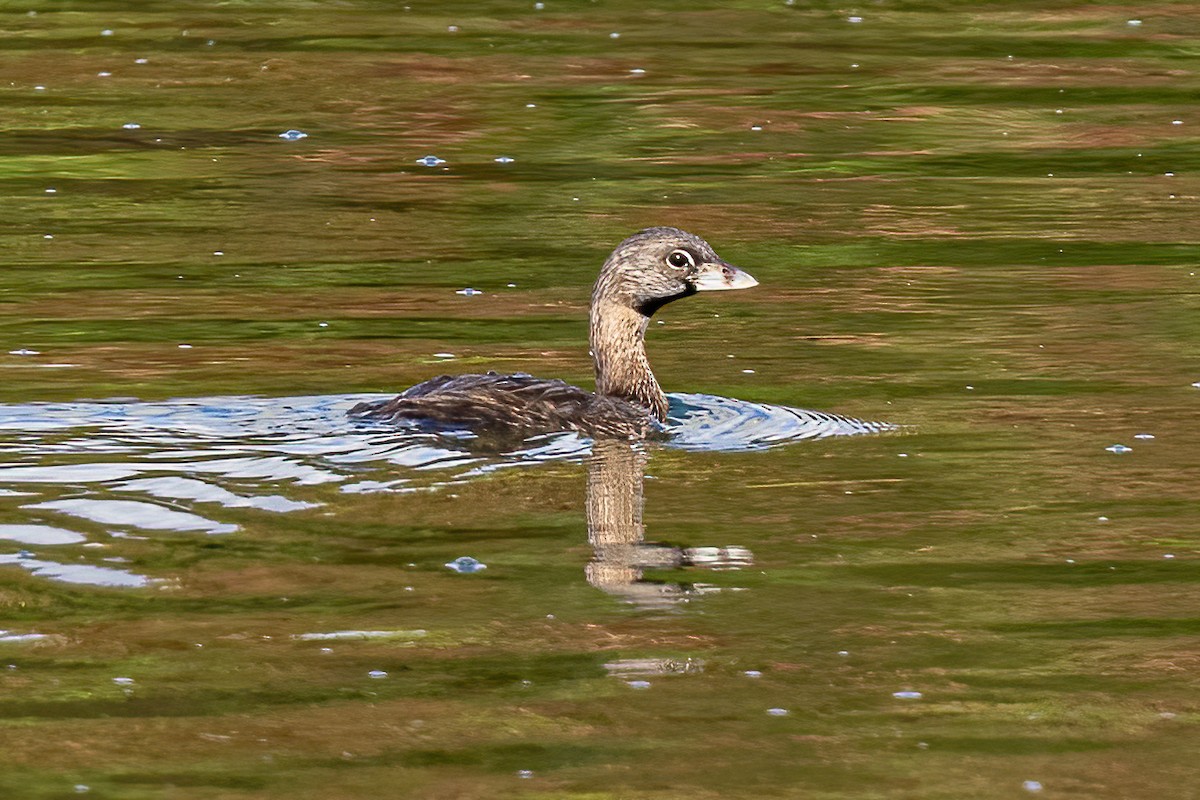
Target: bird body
{"type": "Point", "coordinates": [645, 272]}
{"type": "Point", "coordinates": [497, 404]}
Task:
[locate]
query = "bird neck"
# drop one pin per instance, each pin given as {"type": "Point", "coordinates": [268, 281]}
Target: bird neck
{"type": "Point", "coordinates": [617, 335]}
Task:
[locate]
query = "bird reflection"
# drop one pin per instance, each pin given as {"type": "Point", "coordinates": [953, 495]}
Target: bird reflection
{"type": "Point", "coordinates": [615, 474]}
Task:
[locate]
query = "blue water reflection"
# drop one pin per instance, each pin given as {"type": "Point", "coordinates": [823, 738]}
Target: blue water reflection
{"type": "Point", "coordinates": [134, 469]}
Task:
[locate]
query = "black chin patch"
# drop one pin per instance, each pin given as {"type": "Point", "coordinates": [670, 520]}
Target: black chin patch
{"type": "Point", "coordinates": [648, 306]}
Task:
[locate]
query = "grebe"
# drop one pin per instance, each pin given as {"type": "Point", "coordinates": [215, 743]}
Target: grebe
{"type": "Point", "coordinates": [644, 273]}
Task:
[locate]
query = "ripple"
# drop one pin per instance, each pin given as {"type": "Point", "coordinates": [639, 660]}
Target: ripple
{"type": "Point", "coordinates": [40, 535]}
{"type": "Point", "coordinates": [706, 422]}
{"type": "Point", "coordinates": [174, 488]}
{"type": "Point", "coordinates": [134, 513]}
{"type": "Point", "coordinates": [357, 635]}
{"type": "Point", "coordinates": [319, 426]}
{"type": "Point", "coordinates": [182, 449]}
{"type": "Point", "coordinates": [20, 638]}
{"type": "Point", "coordinates": [68, 473]}
{"type": "Point", "coordinates": [237, 451]}
{"type": "Point", "coordinates": [274, 468]}
{"type": "Point", "coordinates": [77, 573]}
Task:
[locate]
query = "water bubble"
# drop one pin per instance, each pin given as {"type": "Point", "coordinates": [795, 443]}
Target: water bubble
{"type": "Point", "coordinates": [756, 127]}
{"type": "Point", "coordinates": [1119, 448]}
{"type": "Point", "coordinates": [525, 773]}
{"type": "Point", "coordinates": [52, 191]}
{"type": "Point", "coordinates": [777, 712]}
{"type": "Point", "coordinates": [747, 372]}
{"type": "Point", "coordinates": [1168, 555]}
{"type": "Point", "coordinates": [1101, 519]}
{"type": "Point", "coordinates": [431, 161]}
{"type": "Point", "coordinates": [465, 565]}
{"type": "Point", "coordinates": [638, 684]}
{"type": "Point", "coordinates": [452, 28]}
{"type": "Point", "coordinates": [1176, 122]}
{"type": "Point", "coordinates": [103, 74]}
{"type": "Point", "coordinates": [907, 695]}
{"type": "Point", "coordinates": [82, 788]}
{"type": "Point", "coordinates": [614, 35]}
{"type": "Point", "coordinates": [531, 105]}
{"type": "Point", "coordinates": [1133, 23]}
{"type": "Point", "coordinates": [538, 6]}
{"type": "Point", "coordinates": [141, 61]}
{"type": "Point", "coordinates": [218, 252]}
{"type": "Point", "coordinates": [123, 681]}
{"type": "Point", "coordinates": [376, 673]}
{"type": "Point", "coordinates": [293, 135]}
{"type": "Point", "coordinates": [843, 653]}
{"type": "Point", "coordinates": [504, 159]}
{"type": "Point", "coordinates": [48, 236]}
{"type": "Point", "coordinates": [131, 126]}
{"type": "Point", "coordinates": [443, 355]}
{"type": "Point", "coordinates": [39, 88]}
{"type": "Point", "coordinates": [469, 292]}
{"type": "Point", "coordinates": [1031, 786]}
{"type": "Point", "coordinates": [637, 71]}
{"type": "Point", "coordinates": [1143, 436]}
{"type": "Point", "coordinates": [854, 20]}
{"type": "Point", "coordinates": [106, 32]}
{"type": "Point", "coordinates": [752, 673]}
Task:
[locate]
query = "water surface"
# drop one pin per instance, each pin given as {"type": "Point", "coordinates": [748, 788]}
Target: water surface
{"type": "Point", "coordinates": [975, 221]}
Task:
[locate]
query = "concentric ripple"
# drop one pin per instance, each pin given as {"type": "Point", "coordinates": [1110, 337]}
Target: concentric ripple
{"type": "Point", "coordinates": [138, 470]}
{"type": "Point", "coordinates": [706, 422]}
{"type": "Point", "coordinates": [318, 427]}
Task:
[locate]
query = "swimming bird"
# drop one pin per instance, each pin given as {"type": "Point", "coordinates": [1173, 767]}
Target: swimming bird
{"type": "Point", "coordinates": [645, 272]}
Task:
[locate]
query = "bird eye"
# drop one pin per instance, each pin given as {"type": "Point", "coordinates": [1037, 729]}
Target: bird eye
{"type": "Point", "coordinates": [680, 259]}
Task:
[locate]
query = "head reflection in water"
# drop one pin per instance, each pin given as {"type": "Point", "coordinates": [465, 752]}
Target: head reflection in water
{"type": "Point", "coordinates": [615, 475]}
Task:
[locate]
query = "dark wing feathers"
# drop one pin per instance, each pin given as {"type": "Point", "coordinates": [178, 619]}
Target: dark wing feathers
{"type": "Point", "coordinates": [510, 402]}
